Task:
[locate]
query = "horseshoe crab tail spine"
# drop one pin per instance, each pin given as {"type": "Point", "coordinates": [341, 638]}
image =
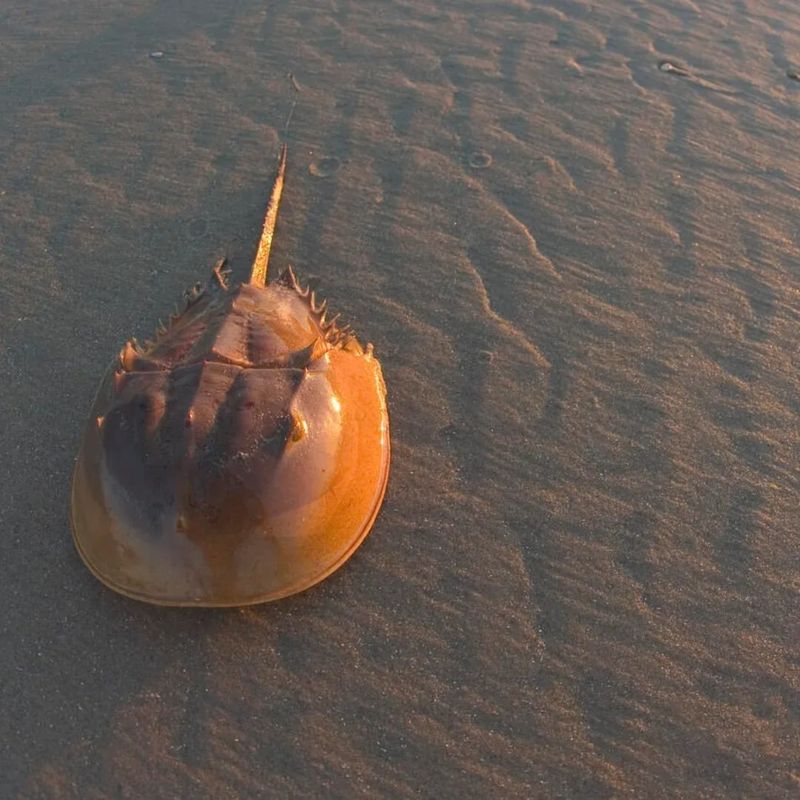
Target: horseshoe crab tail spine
{"type": "Point", "coordinates": [258, 274]}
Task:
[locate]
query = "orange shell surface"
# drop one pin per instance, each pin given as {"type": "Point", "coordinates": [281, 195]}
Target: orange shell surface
{"type": "Point", "coordinates": [240, 458]}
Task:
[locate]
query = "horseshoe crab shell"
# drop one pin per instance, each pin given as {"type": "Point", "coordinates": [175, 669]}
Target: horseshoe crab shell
{"type": "Point", "coordinates": [239, 457]}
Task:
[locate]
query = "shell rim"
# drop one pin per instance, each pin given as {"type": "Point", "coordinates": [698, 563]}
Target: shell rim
{"type": "Point", "coordinates": [258, 599]}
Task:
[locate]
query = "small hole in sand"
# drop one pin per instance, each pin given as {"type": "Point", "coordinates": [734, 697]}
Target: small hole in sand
{"type": "Point", "coordinates": [479, 159]}
{"type": "Point", "coordinates": [324, 167]}
{"type": "Point", "coordinates": [198, 228]}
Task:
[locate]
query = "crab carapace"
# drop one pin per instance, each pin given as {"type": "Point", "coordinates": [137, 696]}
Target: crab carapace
{"type": "Point", "coordinates": [240, 456]}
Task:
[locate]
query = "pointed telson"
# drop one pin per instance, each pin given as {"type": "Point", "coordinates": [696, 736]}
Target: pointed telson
{"type": "Point", "coordinates": [258, 274]}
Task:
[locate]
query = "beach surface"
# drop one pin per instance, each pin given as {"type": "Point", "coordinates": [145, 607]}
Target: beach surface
{"type": "Point", "coordinates": [571, 230]}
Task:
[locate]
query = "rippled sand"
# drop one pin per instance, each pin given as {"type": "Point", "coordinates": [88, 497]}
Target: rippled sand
{"type": "Point", "coordinates": [579, 267]}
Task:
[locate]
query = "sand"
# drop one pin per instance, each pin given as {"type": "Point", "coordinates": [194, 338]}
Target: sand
{"type": "Point", "coordinates": [580, 272]}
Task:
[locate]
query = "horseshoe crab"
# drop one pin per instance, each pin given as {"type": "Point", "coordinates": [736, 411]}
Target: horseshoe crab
{"type": "Point", "coordinates": [239, 457]}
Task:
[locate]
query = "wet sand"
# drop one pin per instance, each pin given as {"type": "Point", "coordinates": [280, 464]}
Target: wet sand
{"type": "Point", "coordinates": [580, 270]}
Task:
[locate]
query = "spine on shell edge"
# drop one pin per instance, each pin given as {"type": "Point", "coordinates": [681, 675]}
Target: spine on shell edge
{"type": "Point", "coordinates": [335, 335]}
